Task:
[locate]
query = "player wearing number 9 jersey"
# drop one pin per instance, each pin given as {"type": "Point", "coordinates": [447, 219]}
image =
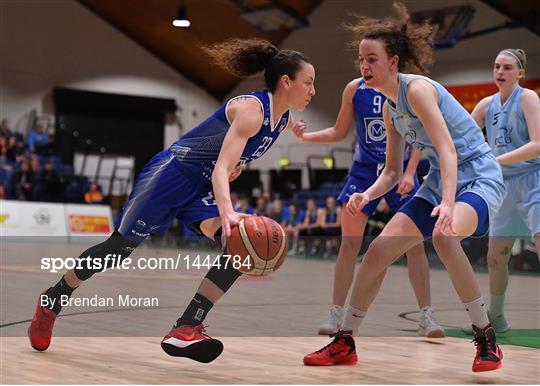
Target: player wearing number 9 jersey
{"type": "Point", "coordinates": [364, 105]}
{"type": "Point", "coordinates": [190, 180]}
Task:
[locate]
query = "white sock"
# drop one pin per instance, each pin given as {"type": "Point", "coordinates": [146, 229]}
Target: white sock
{"type": "Point", "coordinates": [424, 310]}
{"type": "Point", "coordinates": [353, 319]}
{"type": "Point", "coordinates": [496, 306]}
{"type": "Point", "coordinates": [477, 312]}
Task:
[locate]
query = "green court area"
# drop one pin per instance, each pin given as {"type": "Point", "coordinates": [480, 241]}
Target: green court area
{"type": "Point", "coordinates": [524, 337]}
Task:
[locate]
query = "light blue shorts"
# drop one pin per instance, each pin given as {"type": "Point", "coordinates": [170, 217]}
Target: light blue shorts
{"type": "Point", "coordinates": [519, 215]}
{"type": "Point", "coordinates": [481, 176]}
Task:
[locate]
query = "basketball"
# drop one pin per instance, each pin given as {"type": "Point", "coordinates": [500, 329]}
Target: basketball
{"type": "Point", "coordinates": [258, 245]}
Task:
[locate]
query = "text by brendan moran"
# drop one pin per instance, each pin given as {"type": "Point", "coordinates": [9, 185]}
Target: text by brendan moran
{"type": "Point", "coordinates": [100, 301]}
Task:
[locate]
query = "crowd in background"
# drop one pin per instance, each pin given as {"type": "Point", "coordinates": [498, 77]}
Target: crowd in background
{"type": "Point", "coordinates": [31, 171]}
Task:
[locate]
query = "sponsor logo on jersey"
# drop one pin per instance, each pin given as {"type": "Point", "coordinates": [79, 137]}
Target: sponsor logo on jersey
{"type": "Point", "coordinates": [410, 137]}
{"type": "Point", "coordinates": [503, 139]}
{"type": "Point", "coordinates": [375, 130]}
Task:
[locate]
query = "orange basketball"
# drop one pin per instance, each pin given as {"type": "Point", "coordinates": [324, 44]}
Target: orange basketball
{"type": "Point", "coordinates": [257, 246]}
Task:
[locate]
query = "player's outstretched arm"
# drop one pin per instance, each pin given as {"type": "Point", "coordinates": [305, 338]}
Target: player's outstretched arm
{"type": "Point", "coordinates": [338, 132]}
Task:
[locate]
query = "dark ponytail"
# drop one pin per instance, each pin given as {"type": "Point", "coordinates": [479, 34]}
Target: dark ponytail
{"type": "Point", "coordinates": [245, 57]}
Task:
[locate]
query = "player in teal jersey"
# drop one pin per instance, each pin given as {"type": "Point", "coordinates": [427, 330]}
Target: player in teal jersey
{"type": "Point", "coordinates": [512, 121]}
{"type": "Point", "coordinates": [462, 189]}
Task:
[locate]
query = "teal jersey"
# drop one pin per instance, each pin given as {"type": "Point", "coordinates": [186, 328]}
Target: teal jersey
{"type": "Point", "coordinates": [466, 134]}
{"type": "Point", "coordinates": [507, 130]}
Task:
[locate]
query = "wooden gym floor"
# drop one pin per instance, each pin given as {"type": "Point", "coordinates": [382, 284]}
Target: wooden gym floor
{"type": "Point", "coordinates": [267, 326]}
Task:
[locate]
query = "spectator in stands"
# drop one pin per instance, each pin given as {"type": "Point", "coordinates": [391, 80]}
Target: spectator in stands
{"type": "Point", "coordinates": [39, 141]}
{"type": "Point", "coordinates": [5, 130]}
{"type": "Point", "coordinates": [244, 206]}
{"type": "Point", "coordinates": [23, 182]}
{"type": "Point", "coordinates": [3, 193]}
{"type": "Point", "coordinates": [13, 149]}
{"type": "Point", "coordinates": [293, 223]}
{"type": "Point", "coordinates": [94, 195]}
{"type": "Point", "coordinates": [50, 186]}
{"type": "Point", "coordinates": [3, 149]}
{"type": "Point", "coordinates": [260, 208]}
{"type": "Point", "coordinates": [310, 228]}
{"type": "Point", "coordinates": [330, 219]}
{"type": "Point", "coordinates": [277, 212]}
{"type": "Point", "coordinates": [34, 165]}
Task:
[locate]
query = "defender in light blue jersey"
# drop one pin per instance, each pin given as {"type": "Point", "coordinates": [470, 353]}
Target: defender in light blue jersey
{"type": "Point", "coordinates": [512, 121]}
{"type": "Point", "coordinates": [191, 180]}
{"type": "Point", "coordinates": [363, 106]}
{"type": "Point", "coordinates": [462, 189]}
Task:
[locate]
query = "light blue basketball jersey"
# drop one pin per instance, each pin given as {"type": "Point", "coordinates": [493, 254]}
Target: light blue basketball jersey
{"type": "Point", "coordinates": [466, 134]}
{"type": "Point", "coordinates": [199, 149]}
{"type": "Point", "coordinates": [477, 170]}
{"type": "Point", "coordinates": [507, 130]}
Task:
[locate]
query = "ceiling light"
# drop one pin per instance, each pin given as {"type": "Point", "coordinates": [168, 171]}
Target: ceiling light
{"type": "Point", "coordinates": [181, 19]}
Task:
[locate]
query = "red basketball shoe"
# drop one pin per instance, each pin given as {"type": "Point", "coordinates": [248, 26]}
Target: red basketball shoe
{"type": "Point", "coordinates": [341, 351]}
{"type": "Point", "coordinates": [191, 342]}
{"type": "Point", "coordinates": [40, 330]}
{"type": "Point", "coordinates": [488, 353]}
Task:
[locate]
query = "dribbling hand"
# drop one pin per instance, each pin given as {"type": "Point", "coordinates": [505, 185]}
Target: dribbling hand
{"type": "Point", "coordinates": [357, 202]}
{"type": "Point", "coordinates": [229, 220]}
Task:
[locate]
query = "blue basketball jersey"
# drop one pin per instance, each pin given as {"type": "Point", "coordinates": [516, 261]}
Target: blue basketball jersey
{"type": "Point", "coordinates": [370, 128]}
{"type": "Point", "coordinates": [507, 130]}
{"type": "Point", "coordinates": [466, 134]}
{"type": "Point", "coordinates": [199, 149]}
{"type": "Point", "coordinates": [312, 215]}
{"type": "Point", "coordinates": [331, 216]}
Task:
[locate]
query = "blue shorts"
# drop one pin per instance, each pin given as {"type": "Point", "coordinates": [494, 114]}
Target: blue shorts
{"type": "Point", "coordinates": [479, 183]}
{"type": "Point", "coordinates": [163, 190]}
{"type": "Point", "coordinates": [361, 177]}
{"type": "Point", "coordinates": [419, 210]}
{"type": "Point", "coordinates": [519, 215]}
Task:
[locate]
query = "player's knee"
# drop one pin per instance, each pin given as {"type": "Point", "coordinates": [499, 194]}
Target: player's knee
{"type": "Point", "coordinates": [348, 250]}
{"type": "Point", "coordinates": [494, 261]}
{"type": "Point", "coordinates": [109, 253]}
{"type": "Point", "coordinates": [375, 255]}
{"type": "Point", "coordinates": [445, 245]}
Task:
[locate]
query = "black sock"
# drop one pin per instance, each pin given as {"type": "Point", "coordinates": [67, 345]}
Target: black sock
{"type": "Point", "coordinates": [54, 293]}
{"type": "Point", "coordinates": [196, 311]}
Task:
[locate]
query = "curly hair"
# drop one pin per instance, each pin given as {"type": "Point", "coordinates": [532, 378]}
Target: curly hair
{"type": "Point", "coordinates": [245, 57]}
{"type": "Point", "coordinates": [411, 42]}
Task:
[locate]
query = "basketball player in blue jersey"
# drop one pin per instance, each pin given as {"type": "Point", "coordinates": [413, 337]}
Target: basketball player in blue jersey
{"type": "Point", "coordinates": [463, 188]}
{"type": "Point", "coordinates": [512, 121]}
{"type": "Point", "coordinates": [191, 180]}
{"type": "Point", "coordinates": [364, 106]}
